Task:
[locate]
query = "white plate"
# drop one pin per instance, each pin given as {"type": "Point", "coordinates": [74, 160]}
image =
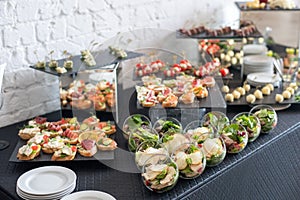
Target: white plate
{"type": "Point", "coordinates": [46, 197]}
{"type": "Point", "coordinates": [89, 195]}
{"type": "Point", "coordinates": [254, 49]}
{"type": "Point", "coordinates": [46, 180]}
{"type": "Point", "coordinates": [258, 60]}
{"type": "Point", "coordinates": [262, 78]}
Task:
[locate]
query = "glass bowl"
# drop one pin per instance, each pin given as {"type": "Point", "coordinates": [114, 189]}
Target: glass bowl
{"type": "Point", "coordinates": [251, 124]}
{"type": "Point", "coordinates": [198, 133]}
{"type": "Point", "coordinates": [267, 117]}
{"type": "Point", "coordinates": [214, 150]}
{"type": "Point", "coordinates": [190, 160]}
{"type": "Point", "coordinates": [216, 120]}
{"type": "Point", "coordinates": [134, 122]}
{"type": "Point", "coordinates": [160, 173]}
{"type": "Point", "coordinates": [235, 137]}
{"type": "Point", "coordinates": [139, 136]}
{"type": "Point", "coordinates": [147, 149]}
{"type": "Point", "coordinates": [172, 140]}
{"type": "Point", "coordinates": [168, 125]}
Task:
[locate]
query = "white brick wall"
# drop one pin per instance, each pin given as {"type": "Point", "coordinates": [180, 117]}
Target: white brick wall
{"type": "Point", "coordinates": [45, 25]}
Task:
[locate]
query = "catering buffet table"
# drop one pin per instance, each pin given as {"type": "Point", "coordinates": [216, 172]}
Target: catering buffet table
{"type": "Point", "coordinates": [268, 168]}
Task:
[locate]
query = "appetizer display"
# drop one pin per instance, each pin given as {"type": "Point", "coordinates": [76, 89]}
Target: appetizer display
{"type": "Point", "coordinates": [215, 120]}
{"type": "Point", "coordinates": [214, 150]}
{"type": "Point", "coordinates": [235, 137]}
{"type": "Point", "coordinates": [63, 138]}
{"type": "Point", "coordinates": [134, 122]}
{"type": "Point", "coordinates": [83, 96]}
{"type": "Point", "coordinates": [190, 160]}
{"type": "Point", "coordinates": [167, 125]}
{"type": "Point", "coordinates": [171, 92]}
{"type": "Point", "coordinates": [251, 124]}
{"type": "Point", "coordinates": [267, 117]}
{"type": "Point", "coordinates": [146, 150]}
{"type": "Point", "coordinates": [160, 176]}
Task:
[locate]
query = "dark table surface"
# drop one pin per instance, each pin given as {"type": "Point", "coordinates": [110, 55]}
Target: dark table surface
{"type": "Point", "coordinates": [268, 168]}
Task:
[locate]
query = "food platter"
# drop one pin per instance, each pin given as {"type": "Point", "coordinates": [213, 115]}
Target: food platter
{"type": "Point", "coordinates": [103, 59]}
{"type": "Point", "coordinates": [100, 155]}
{"type": "Point", "coordinates": [255, 34]}
{"type": "Point", "coordinates": [242, 6]}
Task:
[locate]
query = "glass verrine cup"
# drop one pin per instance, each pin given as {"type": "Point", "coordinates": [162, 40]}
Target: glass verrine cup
{"type": "Point", "coordinates": [251, 124]}
{"type": "Point", "coordinates": [267, 117]}
{"type": "Point", "coordinates": [160, 173]}
{"type": "Point", "coordinates": [190, 159]}
{"type": "Point", "coordinates": [216, 120]}
{"type": "Point", "coordinates": [172, 140]}
{"type": "Point", "coordinates": [235, 137]}
{"type": "Point", "coordinates": [168, 125]}
{"type": "Point", "coordinates": [214, 150]}
{"type": "Point", "coordinates": [147, 149]}
{"type": "Point", "coordinates": [139, 136]}
{"type": "Point", "coordinates": [135, 122]}
{"type": "Point", "coordinates": [198, 133]}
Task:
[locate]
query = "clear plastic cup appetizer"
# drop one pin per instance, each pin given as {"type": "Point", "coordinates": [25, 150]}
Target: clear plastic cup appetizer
{"type": "Point", "coordinates": [190, 160]}
{"type": "Point", "coordinates": [134, 122]}
{"type": "Point", "coordinates": [267, 117]}
{"type": "Point", "coordinates": [216, 120]}
{"type": "Point", "coordinates": [198, 133]}
{"type": "Point", "coordinates": [251, 124]}
{"type": "Point", "coordinates": [160, 173]}
{"type": "Point", "coordinates": [167, 125]}
{"type": "Point", "coordinates": [139, 136]}
{"type": "Point", "coordinates": [214, 150]}
{"type": "Point", "coordinates": [172, 141]}
{"type": "Point", "coordinates": [147, 149]}
{"type": "Point", "coordinates": [235, 137]}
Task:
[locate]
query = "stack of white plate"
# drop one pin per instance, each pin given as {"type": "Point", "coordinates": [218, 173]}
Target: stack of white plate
{"type": "Point", "coordinates": [89, 194]}
{"type": "Point", "coordinates": [51, 182]}
{"type": "Point", "coordinates": [261, 79]}
{"type": "Point", "coordinates": [254, 49]}
{"type": "Point", "coordinates": [257, 63]}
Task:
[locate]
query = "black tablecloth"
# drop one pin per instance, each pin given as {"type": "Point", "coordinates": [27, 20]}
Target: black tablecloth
{"type": "Point", "coordinates": [268, 168]}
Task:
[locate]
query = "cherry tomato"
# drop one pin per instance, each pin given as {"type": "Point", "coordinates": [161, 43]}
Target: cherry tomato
{"type": "Point", "coordinates": [224, 71]}
{"type": "Point", "coordinates": [34, 148]}
{"type": "Point", "coordinates": [74, 148]}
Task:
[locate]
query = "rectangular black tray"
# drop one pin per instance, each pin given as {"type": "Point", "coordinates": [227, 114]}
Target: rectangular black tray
{"type": "Point", "coordinates": [43, 157]}
{"type": "Point", "coordinates": [103, 60]}
{"type": "Point", "coordinates": [256, 34]}
{"type": "Point", "coordinates": [214, 100]}
{"type": "Point", "coordinates": [242, 6]}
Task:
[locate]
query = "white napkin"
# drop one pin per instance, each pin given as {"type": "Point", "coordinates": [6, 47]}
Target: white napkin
{"type": "Point", "coordinates": [2, 68]}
